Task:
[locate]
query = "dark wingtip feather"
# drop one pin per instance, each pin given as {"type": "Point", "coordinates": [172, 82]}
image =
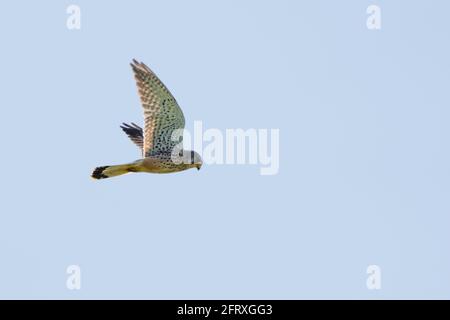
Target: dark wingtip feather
{"type": "Point", "coordinates": [136, 126]}
{"type": "Point", "coordinates": [125, 126]}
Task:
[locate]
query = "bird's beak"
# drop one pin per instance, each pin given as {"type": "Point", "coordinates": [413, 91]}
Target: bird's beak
{"type": "Point", "coordinates": [199, 166]}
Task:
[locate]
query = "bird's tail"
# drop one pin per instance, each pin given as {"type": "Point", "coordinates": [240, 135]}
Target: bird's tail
{"type": "Point", "coordinates": [112, 171]}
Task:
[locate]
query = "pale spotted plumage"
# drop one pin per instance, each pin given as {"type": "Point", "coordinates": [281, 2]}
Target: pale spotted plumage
{"type": "Point", "coordinates": [162, 116]}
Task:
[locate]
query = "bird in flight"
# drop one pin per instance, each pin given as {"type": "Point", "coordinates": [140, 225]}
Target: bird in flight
{"type": "Point", "coordinates": [161, 139]}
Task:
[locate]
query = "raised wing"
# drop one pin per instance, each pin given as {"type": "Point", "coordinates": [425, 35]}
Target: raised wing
{"type": "Point", "coordinates": [135, 133]}
{"type": "Point", "coordinates": [162, 115]}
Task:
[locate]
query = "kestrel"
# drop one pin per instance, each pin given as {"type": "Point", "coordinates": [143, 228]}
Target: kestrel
{"type": "Point", "coordinates": [159, 141]}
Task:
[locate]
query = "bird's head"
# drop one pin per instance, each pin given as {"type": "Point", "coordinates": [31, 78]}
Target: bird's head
{"type": "Point", "coordinates": [196, 160]}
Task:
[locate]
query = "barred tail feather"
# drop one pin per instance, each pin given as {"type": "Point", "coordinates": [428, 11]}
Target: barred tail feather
{"type": "Point", "coordinates": [112, 171]}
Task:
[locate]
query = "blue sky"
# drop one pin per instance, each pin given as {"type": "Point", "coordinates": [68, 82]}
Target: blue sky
{"type": "Point", "coordinates": [364, 150]}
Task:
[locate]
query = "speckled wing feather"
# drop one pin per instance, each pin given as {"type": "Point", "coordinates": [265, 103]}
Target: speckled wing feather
{"type": "Point", "coordinates": [162, 115]}
{"type": "Point", "coordinates": [135, 133]}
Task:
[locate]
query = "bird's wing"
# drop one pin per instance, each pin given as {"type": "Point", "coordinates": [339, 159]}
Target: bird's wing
{"type": "Point", "coordinates": [135, 133]}
{"type": "Point", "coordinates": [162, 115]}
